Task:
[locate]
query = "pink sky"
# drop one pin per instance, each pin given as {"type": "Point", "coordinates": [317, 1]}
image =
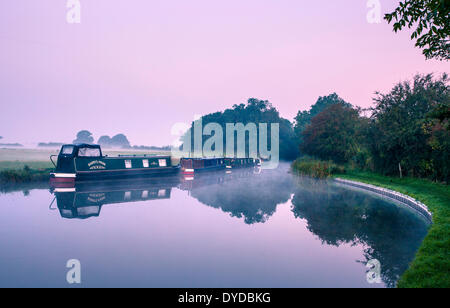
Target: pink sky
{"type": "Point", "coordinates": [138, 67]}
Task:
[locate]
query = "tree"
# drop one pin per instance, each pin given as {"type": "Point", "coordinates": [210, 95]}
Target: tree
{"type": "Point", "coordinates": [104, 141]}
{"type": "Point", "coordinates": [84, 136]}
{"type": "Point", "coordinates": [439, 142]}
{"type": "Point", "coordinates": [401, 131]}
{"type": "Point", "coordinates": [255, 111]}
{"type": "Point", "coordinates": [438, 128]}
{"type": "Point", "coordinates": [441, 113]}
{"type": "Point", "coordinates": [333, 134]}
{"type": "Point", "coordinates": [303, 118]}
{"type": "Point", "coordinates": [120, 141]}
{"type": "Point", "coordinates": [432, 22]}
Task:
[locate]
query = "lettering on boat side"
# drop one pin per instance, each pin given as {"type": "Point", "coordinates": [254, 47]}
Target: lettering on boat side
{"type": "Point", "coordinates": [225, 297]}
{"type": "Point", "coordinates": [95, 198]}
{"type": "Point", "coordinates": [97, 165]}
{"type": "Point", "coordinates": [74, 274]}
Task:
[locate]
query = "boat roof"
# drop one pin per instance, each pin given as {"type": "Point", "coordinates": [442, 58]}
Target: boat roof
{"type": "Point", "coordinates": [210, 158]}
{"type": "Point", "coordinates": [141, 156]}
{"type": "Point", "coordinates": [83, 145]}
{"type": "Point", "coordinates": [205, 158]}
{"type": "Point", "coordinates": [97, 146]}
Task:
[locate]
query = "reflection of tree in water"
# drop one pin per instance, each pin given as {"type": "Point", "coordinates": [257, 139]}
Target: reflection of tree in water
{"type": "Point", "coordinates": [337, 215]}
{"type": "Point", "coordinates": [253, 197]}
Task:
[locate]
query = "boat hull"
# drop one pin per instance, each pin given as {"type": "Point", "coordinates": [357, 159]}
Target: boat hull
{"type": "Point", "coordinates": [102, 175]}
{"type": "Point", "coordinates": [188, 171]}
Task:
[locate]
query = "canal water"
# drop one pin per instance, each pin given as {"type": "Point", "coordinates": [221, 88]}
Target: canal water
{"type": "Point", "coordinates": [248, 228]}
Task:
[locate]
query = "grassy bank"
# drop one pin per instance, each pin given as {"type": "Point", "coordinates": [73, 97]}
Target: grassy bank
{"type": "Point", "coordinates": [25, 175]}
{"type": "Point", "coordinates": [316, 168]}
{"type": "Point", "coordinates": [19, 165]}
{"type": "Point", "coordinates": [431, 266]}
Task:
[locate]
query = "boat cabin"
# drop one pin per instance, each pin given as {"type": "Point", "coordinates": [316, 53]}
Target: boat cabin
{"type": "Point", "coordinates": [191, 165]}
{"type": "Point", "coordinates": [235, 163]}
{"type": "Point", "coordinates": [69, 152]}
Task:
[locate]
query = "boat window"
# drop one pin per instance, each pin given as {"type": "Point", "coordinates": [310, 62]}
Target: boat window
{"type": "Point", "coordinates": [89, 152]}
{"type": "Point", "coordinates": [145, 194]}
{"type": "Point", "coordinates": [145, 163]}
{"type": "Point", "coordinates": [162, 163]}
{"type": "Point", "coordinates": [67, 150]}
{"type": "Point", "coordinates": [88, 210]}
{"type": "Point", "coordinates": [127, 195]}
{"type": "Point", "coordinates": [128, 164]}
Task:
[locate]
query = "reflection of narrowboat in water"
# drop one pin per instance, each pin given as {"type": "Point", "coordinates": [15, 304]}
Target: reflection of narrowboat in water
{"type": "Point", "coordinates": [84, 201]}
{"type": "Point", "coordinates": [194, 165]}
{"type": "Point", "coordinates": [204, 179]}
{"type": "Point", "coordinates": [84, 162]}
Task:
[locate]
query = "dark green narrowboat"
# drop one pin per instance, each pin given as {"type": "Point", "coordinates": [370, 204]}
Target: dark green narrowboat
{"type": "Point", "coordinates": [193, 165]}
{"type": "Point", "coordinates": [237, 163]}
{"type": "Point", "coordinates": [86, 162]}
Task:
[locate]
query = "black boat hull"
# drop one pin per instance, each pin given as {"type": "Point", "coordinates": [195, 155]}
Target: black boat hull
{"type": "Point", "coordinates": [125, 174]}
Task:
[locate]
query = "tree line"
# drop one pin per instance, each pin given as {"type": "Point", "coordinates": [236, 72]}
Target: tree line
{"type": "Point", "coordinates": [254, 111]}
{"type": "Point", "coordinates": [407, 133]}
{"type": "Point", "coordinates": [118, 141]}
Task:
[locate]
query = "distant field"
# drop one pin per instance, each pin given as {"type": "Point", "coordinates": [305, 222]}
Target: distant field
{"type": "Point", "coordinates": [39, 158]}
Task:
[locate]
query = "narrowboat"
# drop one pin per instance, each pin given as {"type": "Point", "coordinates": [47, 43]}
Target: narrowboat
{"type": "Point", "coordinates": [86, 162]}
{"type": "Point", "coordinates": [194, 165]}
{"type": "Point", "coordinates": [237, 163]}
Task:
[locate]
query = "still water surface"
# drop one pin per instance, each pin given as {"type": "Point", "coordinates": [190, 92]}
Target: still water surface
{"type": "Point", "coordinates": [243, 229]}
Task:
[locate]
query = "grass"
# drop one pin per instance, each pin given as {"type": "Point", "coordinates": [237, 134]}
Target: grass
{"type": "Point", "coordinates": [19, 165]}
{"type": "Point", "coordinates": [25, 175]}
{"type": "Point", "coordinates": [316, 168]}
{"type": "Point", "coordinates": [431, 266]}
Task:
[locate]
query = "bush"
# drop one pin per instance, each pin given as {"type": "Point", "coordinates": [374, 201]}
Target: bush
{"type": "Point", "coordinates": [316, 168]}
{"type": "Point", "coordinates": [24, 176]}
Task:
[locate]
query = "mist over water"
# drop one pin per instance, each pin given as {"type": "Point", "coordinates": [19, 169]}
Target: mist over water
{"type": "Point", "coordinates": [239, 229]}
